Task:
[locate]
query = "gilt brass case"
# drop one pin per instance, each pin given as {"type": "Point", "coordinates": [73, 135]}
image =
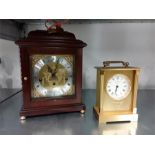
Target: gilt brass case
{"type": "Point", "coordinates": [108, 109]}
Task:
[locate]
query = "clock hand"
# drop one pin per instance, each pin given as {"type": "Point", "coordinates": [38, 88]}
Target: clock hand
{"type": "Point", "coordinates": [53, 72]}
{"type": "Point", "coordinates": [49, 69]}
{"type": "Point", "coordinates": [116, 89]}
{"type": "Point", "coordinates": [57, 65]}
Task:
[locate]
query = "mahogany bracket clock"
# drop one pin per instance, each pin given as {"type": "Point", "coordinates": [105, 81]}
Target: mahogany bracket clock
{"type": "Point", "coordinates": [51, 66]}
{"type": "Point", "coordinates": [116, 92]}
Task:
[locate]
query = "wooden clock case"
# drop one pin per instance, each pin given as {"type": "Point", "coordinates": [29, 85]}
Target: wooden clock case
{"type": "Point", "coordinates": [59, 42]}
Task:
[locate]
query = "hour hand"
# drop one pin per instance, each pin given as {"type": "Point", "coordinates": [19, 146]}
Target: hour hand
{"type": "Point", "coordinates": [49, 69]}
{"type": "Point", "coordinates": [116, 89]}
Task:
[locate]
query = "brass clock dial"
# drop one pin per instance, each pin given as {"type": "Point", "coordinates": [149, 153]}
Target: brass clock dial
{"type": "Point", "coordinates": [52, 75]}
{"type": "Point", "coordinates": [118, 87]}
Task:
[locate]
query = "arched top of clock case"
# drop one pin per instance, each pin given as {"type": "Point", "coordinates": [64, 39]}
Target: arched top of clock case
{"type": "Point", "coordinates": [53, 38]}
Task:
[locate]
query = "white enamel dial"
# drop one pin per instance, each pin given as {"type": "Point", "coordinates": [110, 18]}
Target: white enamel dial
{"type": "Point", "coordinates": [118, 87]}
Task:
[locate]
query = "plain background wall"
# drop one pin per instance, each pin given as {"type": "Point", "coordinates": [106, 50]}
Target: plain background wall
{"type": "Point", "coordinates": [10, 66]}
{"type": "Point", "coordinates": [132, 42]}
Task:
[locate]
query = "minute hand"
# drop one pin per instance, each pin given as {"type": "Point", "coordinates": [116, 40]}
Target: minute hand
{"type": "Point", "coordinates": [56, 66]}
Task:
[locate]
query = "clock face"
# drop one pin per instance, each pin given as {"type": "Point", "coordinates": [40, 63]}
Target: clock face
{"type": "Point", "coordinates": [118, 87]}
{"type": "Point", "coordinates": [52, 76]}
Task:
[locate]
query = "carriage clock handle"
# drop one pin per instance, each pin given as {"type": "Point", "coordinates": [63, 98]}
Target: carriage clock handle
{"type": "Point", "coordinates": [107, 63]}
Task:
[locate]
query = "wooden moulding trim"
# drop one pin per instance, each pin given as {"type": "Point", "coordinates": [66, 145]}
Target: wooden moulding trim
{"type": "Point", "coordinates": [47, 111]}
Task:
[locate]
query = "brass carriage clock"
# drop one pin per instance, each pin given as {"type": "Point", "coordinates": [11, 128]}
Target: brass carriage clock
{"type": "Point", "coordinates": [51, 65]}
{"type": "Point", "coordinates": [116, 92]}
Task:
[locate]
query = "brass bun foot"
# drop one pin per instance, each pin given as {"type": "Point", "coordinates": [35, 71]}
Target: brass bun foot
{"type": "Point", "coordinates": [22, 118]}
{"type": "Point", "coordinates": [82, 111]}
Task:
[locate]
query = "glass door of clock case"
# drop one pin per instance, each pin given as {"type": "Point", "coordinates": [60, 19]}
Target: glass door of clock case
{"type": "Point", "coordinates": [52, 75]}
